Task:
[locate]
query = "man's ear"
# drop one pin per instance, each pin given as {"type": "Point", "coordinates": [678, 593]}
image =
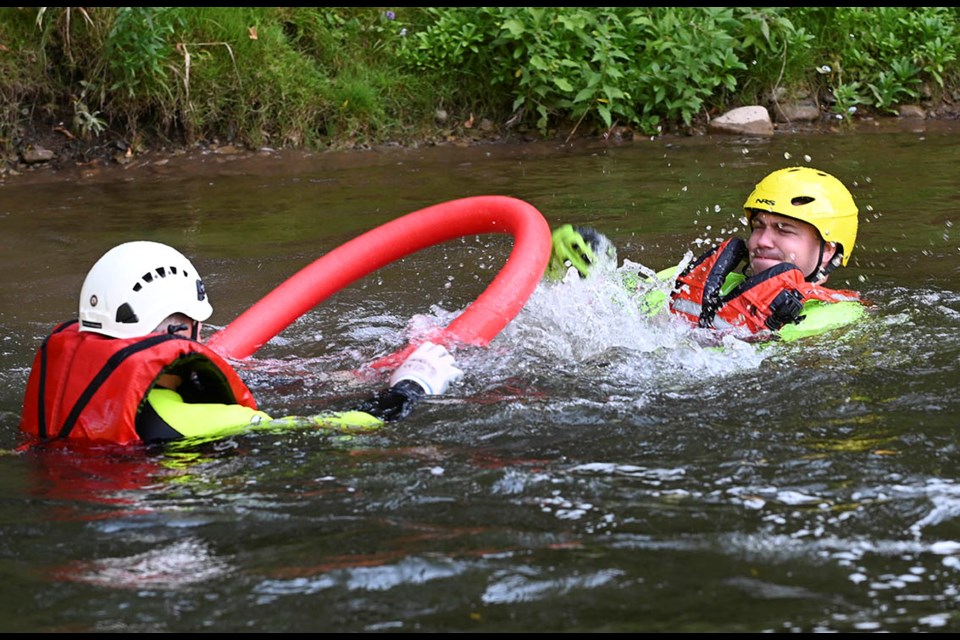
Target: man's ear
{"type": "Point", "coordinates": [829, 253]}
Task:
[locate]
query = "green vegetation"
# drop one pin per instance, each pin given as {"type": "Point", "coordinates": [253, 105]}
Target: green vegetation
{"type": "Point", "coordinates": [319, 77]}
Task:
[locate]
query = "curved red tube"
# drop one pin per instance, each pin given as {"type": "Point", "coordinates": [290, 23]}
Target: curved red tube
{"type": "Point", "coordinates": [477, 325]}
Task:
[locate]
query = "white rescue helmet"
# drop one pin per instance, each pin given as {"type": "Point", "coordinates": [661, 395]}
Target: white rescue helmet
{"type": "Point", "coordinates": [133, 287]}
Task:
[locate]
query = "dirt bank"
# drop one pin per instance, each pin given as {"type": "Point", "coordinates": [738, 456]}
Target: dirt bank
{"type": "Point", "coordinates": [51, 154]}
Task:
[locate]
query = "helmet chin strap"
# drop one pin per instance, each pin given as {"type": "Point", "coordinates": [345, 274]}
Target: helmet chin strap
{"type": "Point", "coordinates": [194, 329]}
{"type": "Point", "coordinates": [824, 270]}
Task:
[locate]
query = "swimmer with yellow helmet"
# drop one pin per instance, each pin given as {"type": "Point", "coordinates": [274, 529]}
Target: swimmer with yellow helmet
{"type": "Point", "coordinates": [803, 226]}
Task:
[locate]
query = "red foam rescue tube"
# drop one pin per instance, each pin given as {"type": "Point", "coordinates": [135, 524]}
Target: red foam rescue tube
{"type": "Point", "coordinates": [477, 325]}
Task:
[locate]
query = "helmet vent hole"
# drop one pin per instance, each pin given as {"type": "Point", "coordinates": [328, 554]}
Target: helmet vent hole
{"type": "Point", "coordinates": [137, 287]}
{"type": "Point", "coordinates": [161, 272]}
{"type": "Point", "coordinates": [148, 278]}
{"type": "Point", "coordinates": [799, 201]}
{"type": "Point", "coordinates": [126, 315]}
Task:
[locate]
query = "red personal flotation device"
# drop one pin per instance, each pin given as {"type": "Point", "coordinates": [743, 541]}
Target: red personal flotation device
{"type": "Point", "coordinates": [90, 387]}
{"type": "Point", "coordinates": [764, 301]}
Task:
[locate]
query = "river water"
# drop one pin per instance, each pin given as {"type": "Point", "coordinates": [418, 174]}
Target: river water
{"type": "Point", "coordinates": [595, 470]}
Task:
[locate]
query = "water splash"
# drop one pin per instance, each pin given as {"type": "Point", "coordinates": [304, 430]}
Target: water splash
{"type": "Point", "coordinates": [614, 326]}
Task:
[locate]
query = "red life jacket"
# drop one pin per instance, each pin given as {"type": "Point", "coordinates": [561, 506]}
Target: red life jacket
{"type": "Point", "coordinates": [90, 387]}
{"type": "Point", "coordinates": [764, 301]}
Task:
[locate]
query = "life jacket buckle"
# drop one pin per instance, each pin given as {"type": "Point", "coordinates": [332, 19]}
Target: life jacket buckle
{"type": "Point", "coordinates": [786, 307]}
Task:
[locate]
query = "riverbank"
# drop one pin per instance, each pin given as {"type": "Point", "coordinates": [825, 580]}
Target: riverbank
{"type": "Point", "coordinates": [52, 155]}
{"type": "Point", "coordinates": [100, 86]}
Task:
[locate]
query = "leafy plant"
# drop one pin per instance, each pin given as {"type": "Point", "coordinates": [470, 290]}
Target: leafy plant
{"type": "Point", "coordinates": [895, 86]}
{"type": "Point", "coordinates": [86, 122]}
{"type": "Point", "coordinates": [138, 48]}
{"type": "Point", "coordinates": [847, 98]}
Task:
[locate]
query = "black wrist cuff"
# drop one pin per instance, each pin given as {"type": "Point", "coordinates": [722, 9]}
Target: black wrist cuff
{"type": "Point", "coordinates": [394, 403]}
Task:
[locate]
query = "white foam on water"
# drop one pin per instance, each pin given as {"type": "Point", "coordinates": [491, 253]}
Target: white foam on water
{"type": "Point", "coordinates": [606, 327]}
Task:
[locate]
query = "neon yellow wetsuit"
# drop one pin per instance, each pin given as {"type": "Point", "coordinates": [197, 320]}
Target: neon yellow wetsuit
{"type": "Point", "coordinates": [211, 420]}
{"type": "Point", "coordinates": [167, 416]}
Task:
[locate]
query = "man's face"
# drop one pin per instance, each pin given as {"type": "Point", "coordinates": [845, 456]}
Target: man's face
{"type": "Point", "coordinates": [775, 239]}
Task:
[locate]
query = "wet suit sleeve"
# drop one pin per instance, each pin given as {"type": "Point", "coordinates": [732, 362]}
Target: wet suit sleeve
{"type": "Point", "coordinates": [389, 405]}
{"type": "Point", "coordinates": [655, 298]}
{"type": "Point", "coordinates": [165, 416]}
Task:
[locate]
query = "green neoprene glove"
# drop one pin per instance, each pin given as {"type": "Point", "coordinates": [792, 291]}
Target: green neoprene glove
{"type": "Point", "coordinates": [582, 247]}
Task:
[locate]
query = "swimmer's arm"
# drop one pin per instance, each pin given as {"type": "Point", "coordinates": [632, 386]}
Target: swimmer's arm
{"type": "Point", "coordinates": [214, 420]}
{"type": "Point", "coordinates": [211, 420]}
{"type": "Point", "coordinates": [192, 420]}
{"type": "Point", "coordinates": [389, 405]}
{"type": "Point", "coordinates": [654, 300]}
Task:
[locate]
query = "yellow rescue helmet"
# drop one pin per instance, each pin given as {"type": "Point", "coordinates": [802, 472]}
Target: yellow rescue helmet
{"type": "Point", "coordinates": [812, 196]}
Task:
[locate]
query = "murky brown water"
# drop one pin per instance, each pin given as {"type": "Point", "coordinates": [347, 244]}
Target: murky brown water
{"type": "Point", "coordinates": [593, 472]}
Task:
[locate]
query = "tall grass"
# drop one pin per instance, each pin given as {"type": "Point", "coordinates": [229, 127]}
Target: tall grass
{"type": "Point", "coordinates": [316, 77]}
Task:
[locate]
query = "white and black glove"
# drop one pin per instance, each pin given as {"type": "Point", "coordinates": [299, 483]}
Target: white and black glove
{"type": "Point", "coordinates": [429, 370]}
{"type": "Point", "coordinates": [431, 366]}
